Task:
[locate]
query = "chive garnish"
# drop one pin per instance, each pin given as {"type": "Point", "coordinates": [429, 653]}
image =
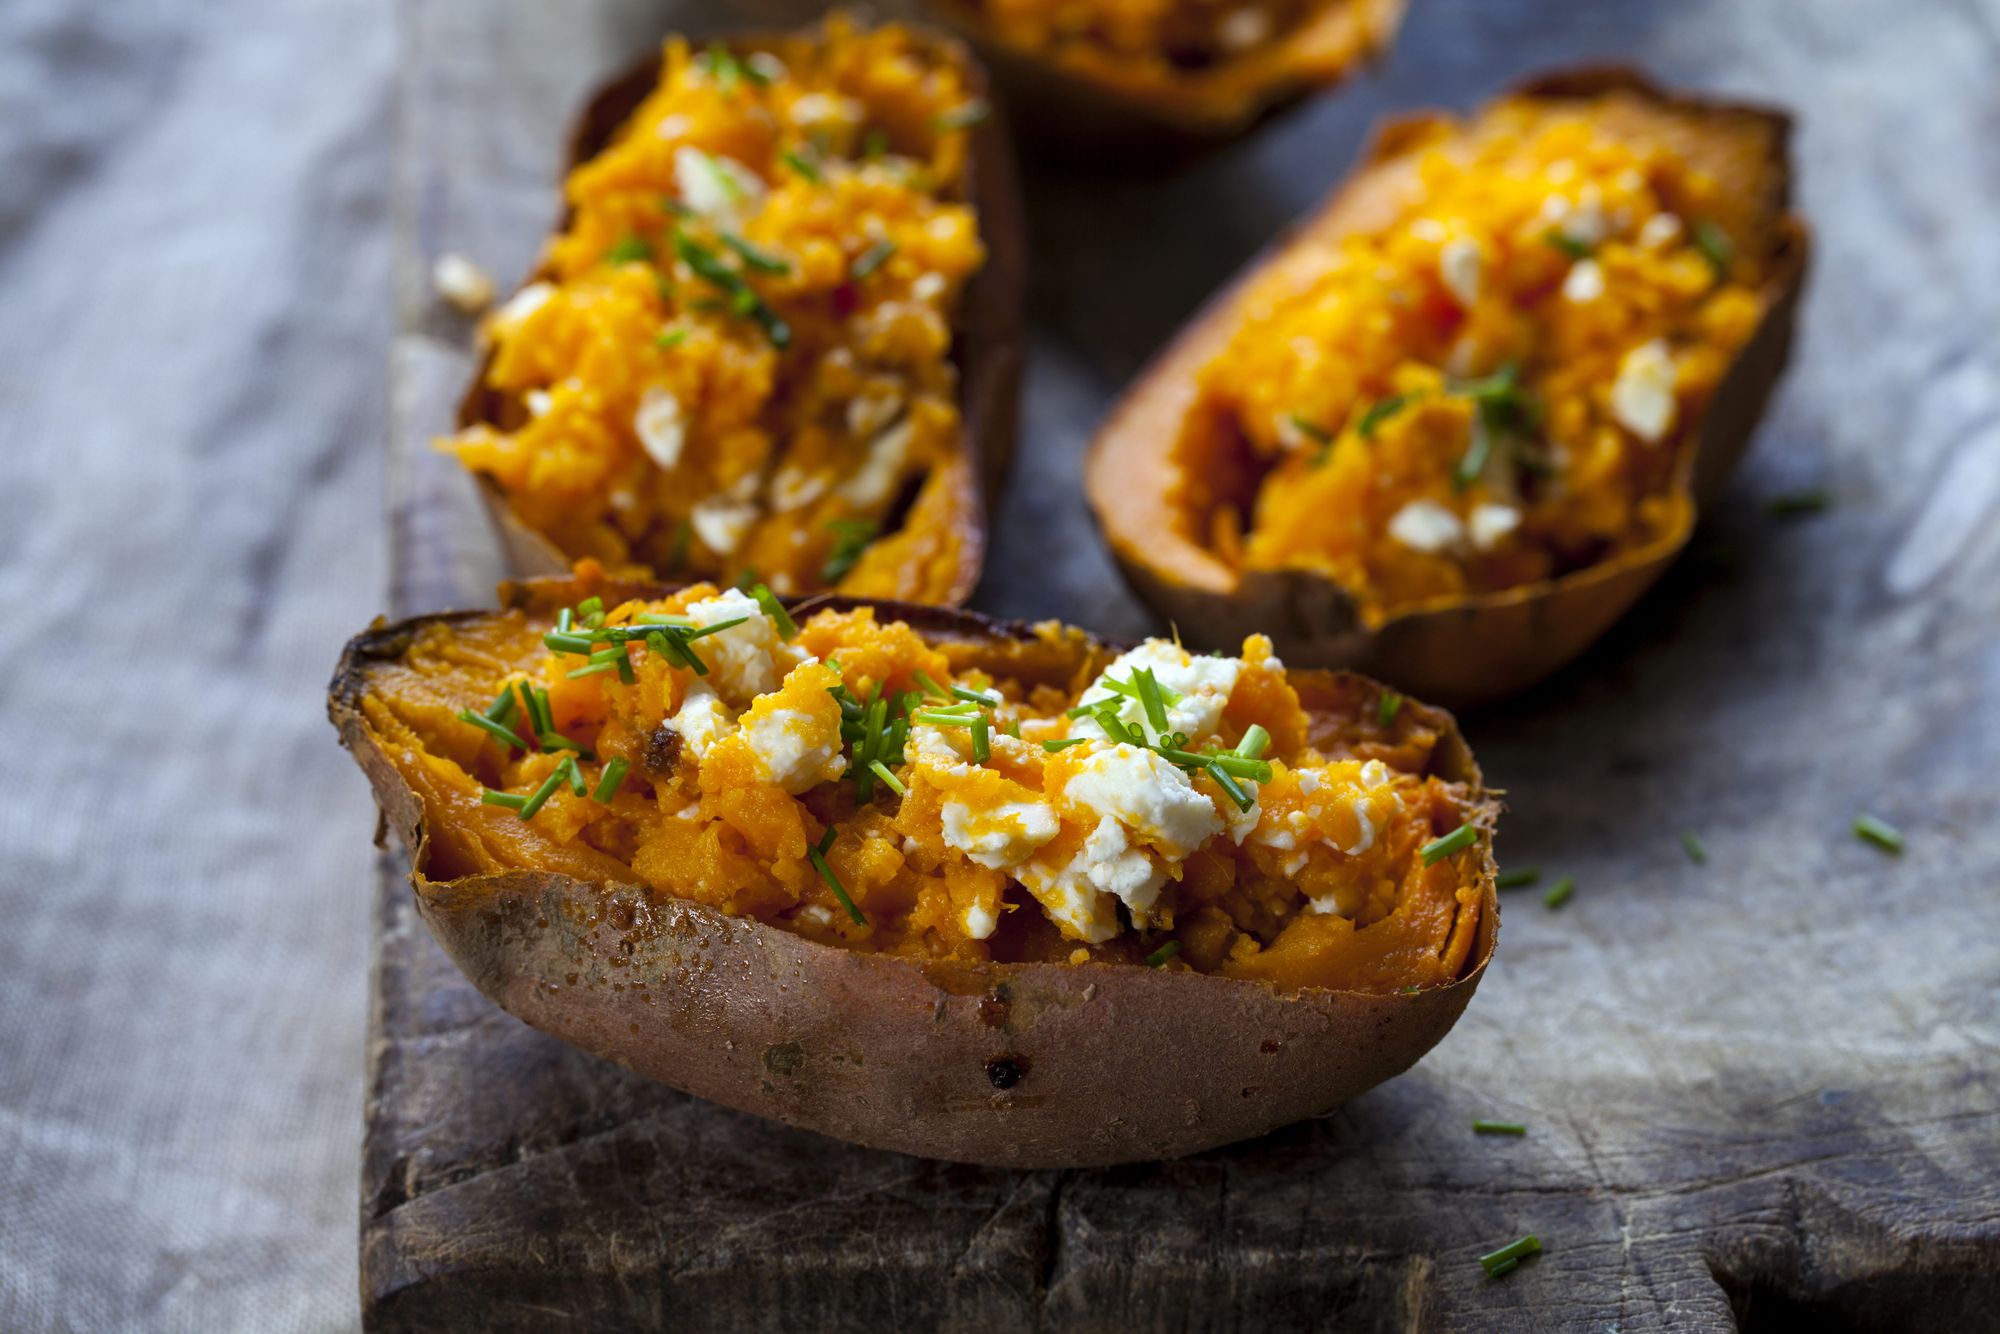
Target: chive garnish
{"type": "Point", "coordinates": [1438, 849]}
{"type": "Point", "coordinates": [669, 338]}
{"type": "Point", "coordinates": [607, 785]}
{"type": "Point", "coordinates": [792, 158]}
{"type": "Point", "coordinates": [1312, 431]}
{"type": "Point", "coordinates": [1569, 245]}
{"type": "Point", "coordinates": [1473, 462]}
{"type": "Point", "coordinates": [1520, 879]}
{"type": "Point", "coordinates": [1159, 957]}
{"type": "Point", "coordinates": [1149, 697]}
{"type": "Point", "coordinates": [761, 260]}
{"type": "Point", "coordinates": [1387, 706]}
{"type": "Point", "coordinates": [1810, 501]}
{"type": "Point", "coordinates": [677, 554]}
{"type": "Point", "coordinates": [594, 669]}
{"type": "Point", "coordinates": [889, 779]}
{"type": "Point", "coordinates": [503, 707]}
{"type": "Point", "coordinates": [1063, 743]}
{"type": "Point", "coordinates": [574, 773]}
{"type": "Point", "coordinates": [542, 794]}
{"type": "Point", "coordinates": [557, 642]}
{"type": "Point", "coordinates": [1879, 832]}
{"type": "Point", "coordinates": [708, 266]}
{"type": "Point", "coordinates": [495, 730]}
{"type": "Point", "coordinates": [976, 696]}
{"type": "Point", "coordinates": [1244, 801]}
{"type": "Point", "coordinates": [1691, 843]}
{"type": "Point", "coordinates": [874, 144]}
{"type": "Point", "coordinates": [628, 249]}
{"type": "Point", "coordinates": [787, 627]}
{"type": "Point", "coordinates": [871, 259]}
{"type": "Point", "coordinates": [928, 686]}
{"type": "Point", "coordinates": [1715, 247]}
{"type": "Point", "coordinates": [817, 855]}
{"type": "Point", "coordinates": [1254, 742]}
{"type": "Point", "coordinates": [982, 740]}
{"type": "Point", "coordinates": [1379, 412]}
{"type": "Point", "coordinates": [962, 117]}
{"type": "Point", "coordinates": [851, 539]}
{"type": "Point", "coordinates": [1499, 1128]}
{"type": "Point", "coordinates": [1496, 1263]}
{"type": "Point", "coordinates": [511, 800]}
{"type": "Point", "coordinates": [1560, 893]}
{"type": "Point", "coordinates": [564, 620]}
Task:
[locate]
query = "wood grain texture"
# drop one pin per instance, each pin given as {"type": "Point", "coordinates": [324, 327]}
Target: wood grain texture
{"type": "Point", "coordinates": [1760, 1091]}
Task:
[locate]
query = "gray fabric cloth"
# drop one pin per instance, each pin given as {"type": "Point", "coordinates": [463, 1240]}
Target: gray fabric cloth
{"type": "Point", "coordinates": [194, 253]}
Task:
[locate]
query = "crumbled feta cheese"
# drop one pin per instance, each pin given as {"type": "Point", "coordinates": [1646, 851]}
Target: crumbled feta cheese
{"type": "Point", "coordinates": [717, 187]}
{"type": "Point", "coordinates": [1584, 283]}
{"type": "Point", "coordinates": [462, 283]}
{"type": "Point", "coordinates": [1143, 791]}
{"type": "Point", "coordinates": [1659, 231]}
{"type": "Point", "coordinates": [538, 402]}
{"type": "Point", "coordinates": [702, 720]}
{"type": "Point", "coordinates": [745, 660]}
{"type": "Point", "coordinates": [1073, 899]}
{"type": "Point", "coordinates": [1241, 822]}
{"type": "Point", "coordinates": [868, 413]}
{"type": "Point", "coordinates": [673, 127]}
{"type": "Point", "coordinates": [794, 488]}
{"type": "Point", "coordinates": [1429, 231]}
{"type": "Point", "coordinates": [980, 921]}
{"type": "Point", "coordinates": [1642, 398]}
{"type": "Point", "coordinates": [1426, 526]}
{"type": "Point", "coordinates": [1365, 838]}
{"type": "Point", "coordinates": [928, 286]}
{"type": "Point", "coordinates": [1491, 523]}
{"type": "Point", "coordinates": [1459, 265]}
{"type": "Point", "coordinates": [1243, 29]}
{"type": "Point", "coordinates": [819, 108]}
{"type": "Point", "coordinates": [521, 305]}
{"type": "Point", "coordinates": [796, 750]}
{"type": "Point", "coordinates": [660, 426]}
{"type": "Point", "coordinates": [768, 65]}
{"type": "Point", "coordinates": [1203, 684]}
{"type": "Point", "coordinates": [878, 473]}
{"type": "Point", "coordinates": [722, 523]}
{"type": "Point", "coordinates": [1000, 836]}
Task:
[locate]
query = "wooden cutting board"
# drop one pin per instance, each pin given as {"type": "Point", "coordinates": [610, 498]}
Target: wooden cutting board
{"type": "Point", "coordinates": [1761, 1089]}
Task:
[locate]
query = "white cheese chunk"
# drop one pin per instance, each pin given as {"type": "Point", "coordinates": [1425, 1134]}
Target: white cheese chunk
{"type": "Point", "coordinates": [980, 921]}
{"type": "Point", "coordinates": [1000, 836]}
{"type": "Point", "coordinates": [462, 283]}
{"type": "Point", "coordinates": [797, 751]}
{"type": "Point", "coordinates": [1459, 265]}
{"type": "Point", "coordinates": [794, 488]}
{"type": "Point", "coordinates": [1490, 524]}
{"type": "Point", "coordinates": [519, 306]}
{"type": "Point", "coordinates": [879, 472]}
{"type": "Point", "coordinates": [1642, 397]}
{"type": "Point", "coordinates": [661, 428]}
{"type": "Point", "coordinates": [1203, 684]}
{"type": "Point", "coordinates": [1426, 526]}
{"type": "Point", "coordinates": [1659, 231]}
{"type": "Point", "coordinates": [1243, 29]}
{"type": "Point", "coordinates": [702, 720]}
{"type": "Point", "coordinates": [745, 660]}
{"type": "Point", "coordinates": [716, 187]}
{"type": "Point", "coordinates": [722, 523]}
{"type": "Point", "coordinates": [1141, 790]}
{"type": "Point", "coordinates": [1584, 282]}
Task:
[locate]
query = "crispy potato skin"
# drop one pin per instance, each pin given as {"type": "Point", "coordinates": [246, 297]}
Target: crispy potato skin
{"type": "Point", "coordinates": [1022, 1065]}
{"type": "Point", "coordinates": [1082, 117]}
{"type": "Point", "coordinates": [988, 350]}
{"type": "Point", "coordinates": [1466, 652]}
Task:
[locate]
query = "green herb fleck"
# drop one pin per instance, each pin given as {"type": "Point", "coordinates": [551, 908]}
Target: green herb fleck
{"type": "Point", "coordinates": [1063, 743]}
{"type": "Point", "coordinates": [1560, 893]}
{"type": "Point", "coordinates": [1499, 1262]}
{"type": "Point", "coordinates": [667, 338]}
{"type": "Point", "coordinates": [1457, 840]}
{"type": "Point", "coordinates": [1499, 1128]}
{"type": "Point", "coordinates": [1159, 957]}
{"type": "Point", "coordinates": [787, 627]}
{"type": "Point", "coordinates": [1520, 879]}
{"type": "Point", "coordinates": [608, 783]}
{"type": "Point", "coordinates": [761, 260]}
{"type": "Point", "coordinates": [792, 158]}
{"type": "Point", "coordinates": [542, 794]}
{"type": "Point", "coordinates": [1568, 244]}
{"type": "Point", "coordinates": [1715, 247]}
{"type": "Point", "coordinates": [1380, 411]}
{"type": "Point", "coordinates": [817, 855]}
{"type": "Point", "coordinates": [1696, 850]}
{"type": "Point", "coordinates": [963, 117]}
{"type": "Point", "coordinates": [1387, 706]}
{"type": "Point", "coordinates": [889, 779]}
{"type": "Point", "coordinates": [871, 259]}
{"type": "Point", "coordinates": [496, 730]}
{"type": "Point", "coordinates": [851, 539]}
{"type": "Point", "coordinates": [1880, 832]}
{"type": "Point", "coordinates": [511, 800]}
{"type": "Point", "coordinates": [628, 249]}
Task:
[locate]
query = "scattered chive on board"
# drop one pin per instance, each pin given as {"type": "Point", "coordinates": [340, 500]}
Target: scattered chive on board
{"type": "Point", "coordinates": [1496, 1263]}
{"type": "Point", "coordinates": [1697, 851]}
{"type": "Point", "coordinates": [1560, 892]}
{"type": "Point", "coordinates": [1499, 1128]}
{"type": "Point", "coordinates": [1872, 829]}
{"type": "Point", "coordinates": [1520, 879]}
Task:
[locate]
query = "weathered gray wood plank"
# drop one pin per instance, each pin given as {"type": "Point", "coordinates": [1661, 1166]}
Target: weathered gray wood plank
{"type": "Point", "coordinates": [1760, 1089]}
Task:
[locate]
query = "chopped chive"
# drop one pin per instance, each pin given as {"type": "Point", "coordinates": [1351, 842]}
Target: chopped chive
{"type": "Point", "coordinates": [1715, 247]}
{"type": "Point", "coordinates": [607, 785]}
{"type": "Point", "coordinates": [1496, 1263]}
{"type": "Point", "coordinates": [558, 642]}
{"type": "Point", "coordinates": [575, 775]}
{"type": "Point", "coordinates": [871, 259]}
{"type": "Point", "coordinates": [1691, 842]}
{"type": "Point", "coordinates": [761, 260]}
{"type": "Point", "coordinates": [851, 539]}
{"type": "Point", "coordinates": [946, 717]}
{"type": "Point", "coordinates": [1063, 743]}
{"type": "Point", "coordinates": [1569, 245]}
{"type": "Point", "coordinates": [792, 158]}
{"type": "Point", "coordinates": [1380, 411]}
{"type": "Point", "coordinates": [1237, 766]}
{"type": "Point", "coordinates": [511, 800]}
{"type": "Point", "coordinates": [1438, 849]}
{"type": "Point", "coordinates": [889, 780]}
{"type": "Point", "coordinates": [503, 707]}
{"type": "Point", "coordinates": [708, 266]}
{"type": "Point", "coordinates": [817, 855]}
{"type": "Point", "coordinates": [542, 794]}
{"type": "Point", "coordinates": [928, 686]}
{"type": "Point", "coordinates": [1313, 431]}
{"type": "Point", "coordinates": [564, 620]}
{"type": "Point", "coordinates": [628, 249]}
{"type": "Point", "coordinates": [1560, 893]}
{"type": "Point", "coordinates": [1013, 728]}
{"type": "Point", "coordinates": [976, 696]}
{"type": "Point", "coordinates": [1879, 832]}
{"type": "Point", "coordinates": [787, 627]}
{"type": "Point", "coordinates": [1520, 879]}
{"type": "Point", "coordinates": [1159, 957]}
{"type": "Point", "coordinates": [493, 729]}
{"type": "Point", "coordinates": [1499, 1128]}
{"type": "Point", "coordinates": [874, 144]}
{"type": "Point", "coordinates": [1473, 462]}
{"type": "Point", "coordinates": [1244, 801]}
{"type": "Point", "coordinates": [557, 741]}
{"type": "Point", "coordinates": [663, 618]}
{"type": "Point", "coordinates": [1811, 501]}
{"type": "Point", "coordinates": [669, 338]}
{"type": "Point", "coordinates": [713, 628]}
{"type": "Point", "coordinates": [1149, 697]}
{"type": "Point", "coordinates": [677, 554]}
{"type": "Point", "coordinates": [1387, 706]}
{"type": "Point", "coordinates": [1254, 742]}
{"type": "Point", "coordinates": [594, 669]}
{"type": "Point", "coordinates": [982, 740]}
{"type": "Point", "coordinates": [962, 117]}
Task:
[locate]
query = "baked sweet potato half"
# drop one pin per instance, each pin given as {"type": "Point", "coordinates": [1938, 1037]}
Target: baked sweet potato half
{"type": "Point", "coordinates": [926, 881]}
{"type": "Point", "coordinates": [1166, 79]}
{"type": "Point", "coordinates": [777, 328]}
{"type": "Point", "coordinates": [1463, 415]}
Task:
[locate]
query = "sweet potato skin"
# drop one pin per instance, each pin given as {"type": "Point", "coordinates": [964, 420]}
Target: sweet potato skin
{"type": "Point", "coordinates": [989, 349]}
{"type": "Point", "coordinates": [1022, 1065]}
{"type": "Point", "coordinates": [1468, 652]}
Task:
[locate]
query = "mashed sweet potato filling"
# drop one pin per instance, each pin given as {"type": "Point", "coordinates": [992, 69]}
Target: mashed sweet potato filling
{"type": "Point", "coordinates": [738, 353]}
{"type": "Point", "coordinates": [1495, 384]}
{"type": "Point", "coordinates": [857, 781]}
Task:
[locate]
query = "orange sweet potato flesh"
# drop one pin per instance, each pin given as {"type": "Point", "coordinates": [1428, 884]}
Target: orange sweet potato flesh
{"type": "Point", "coordinates": [1151, 497]}
{"type": "Point", "coordinates": [1035, 1064]}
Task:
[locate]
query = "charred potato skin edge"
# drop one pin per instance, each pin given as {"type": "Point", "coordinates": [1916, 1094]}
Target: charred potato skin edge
{"type": "Point", "coordinates": [1465, 652]}
{"type": "Point", "coordinates": [1017, 1065]}
{"type": "Point", "coordinates": [988, 348]}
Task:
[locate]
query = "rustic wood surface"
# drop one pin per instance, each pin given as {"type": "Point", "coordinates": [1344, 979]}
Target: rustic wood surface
{"type": "Point", "coordinates": [1760, 1090]}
